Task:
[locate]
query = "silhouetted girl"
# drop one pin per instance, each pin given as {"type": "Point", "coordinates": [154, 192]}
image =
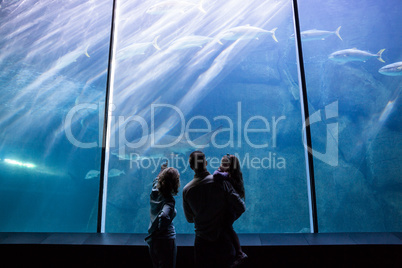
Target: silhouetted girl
{"type": "Point", "coordinates": [231, 172]}
{"type": "Point", "coordinates": [162, 235]}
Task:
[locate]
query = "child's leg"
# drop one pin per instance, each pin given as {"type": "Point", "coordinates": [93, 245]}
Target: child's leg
{"type": "Point", "coordinates": [235, 241]}
{"type": "Point", "coordinates": [240, 255]}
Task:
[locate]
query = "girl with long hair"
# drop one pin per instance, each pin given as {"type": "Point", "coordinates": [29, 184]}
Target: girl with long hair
{"type": "Point", "coordinates": [161, 237]}
{"type": "Point", "coordinates": [230, 171]}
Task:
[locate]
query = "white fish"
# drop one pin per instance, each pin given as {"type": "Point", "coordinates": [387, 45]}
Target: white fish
{"type": "Point", "coordinates": [394, 69]}
{"type": "Point", "coordinates": [92, 174]}
{"type": "Point", "coordinates": [190, 41]}
{"type": "Point", "coordinates": [115, 173]}
{"type": "Point", "coordinates": [246, 32]}
{"type": "Point", "coordinates": [173, 6]}
{"type": "Point", "coordinates": [136, 49]}
{"type": "Point", "coordinates": [354, 54]}
{"type": "Point", "coordinates": [317, 34]}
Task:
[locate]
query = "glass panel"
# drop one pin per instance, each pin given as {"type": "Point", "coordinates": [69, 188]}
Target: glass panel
{"type": "Point", "coordinates": [222, 75]}
{"type": "Point", "coordinates": [53, 64]}
{"type": "Point", "coordinates": [355, 112]}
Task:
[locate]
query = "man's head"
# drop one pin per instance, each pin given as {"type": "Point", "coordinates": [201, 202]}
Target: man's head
{"type": "Point", "coordinates": [197, 161]}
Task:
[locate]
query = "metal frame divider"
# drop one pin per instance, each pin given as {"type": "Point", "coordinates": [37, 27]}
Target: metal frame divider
{"type": "Point", "coordinates": [106, 128]}
{"type": "Point", "coordinates": [305, 117]}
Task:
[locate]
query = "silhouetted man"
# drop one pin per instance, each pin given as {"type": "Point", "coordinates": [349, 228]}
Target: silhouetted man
{"type": "Point", "coordinates": [206, 204]}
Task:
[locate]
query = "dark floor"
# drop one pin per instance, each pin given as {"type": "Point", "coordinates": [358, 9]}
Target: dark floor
{"type": "Point", "coordinates": [264, 250]}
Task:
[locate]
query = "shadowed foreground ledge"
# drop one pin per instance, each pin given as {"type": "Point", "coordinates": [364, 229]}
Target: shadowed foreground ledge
{"type": "Point", "coordinates": [264, 250]}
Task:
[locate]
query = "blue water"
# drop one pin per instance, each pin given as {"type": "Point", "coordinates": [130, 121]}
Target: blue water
{"type": "Point", "coordinates": [53, 72]}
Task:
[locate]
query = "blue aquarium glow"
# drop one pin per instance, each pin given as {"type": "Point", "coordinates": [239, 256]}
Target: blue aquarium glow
{"type": "Point", "coordinates": [216, 76]}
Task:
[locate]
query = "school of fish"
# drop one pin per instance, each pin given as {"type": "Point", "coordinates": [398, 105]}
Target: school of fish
{"type": "Point", "coordinates": [246, 32]}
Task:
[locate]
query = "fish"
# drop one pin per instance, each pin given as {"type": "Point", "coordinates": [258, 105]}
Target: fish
{"type": "Point", "coordinates": [317, 34]}
{"type": "Point", "coordinates": [115, 173]}
{"type": "Point", "coordinates": [246, 32]}
{"type": "Point", "coordinates": [393, 69]}
{"type": "Point", "coordinates": [190, 42]}
{"type": "Point", "coordinates": [92, 174]}
{"type": "Point", "coordinates": [136, 49]}
{"type": "Point", "coordinates": [112, 173]}
{"type": "Point", "coordinates": [164, 147]}
{"type": "Point", "coordinates": [174, 6]}
{"type": "Point", "coordinates": [354, 54]}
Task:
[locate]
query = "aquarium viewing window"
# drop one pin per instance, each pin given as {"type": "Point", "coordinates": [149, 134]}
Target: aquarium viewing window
{"type": "Point", "coordinates": [96, 96]}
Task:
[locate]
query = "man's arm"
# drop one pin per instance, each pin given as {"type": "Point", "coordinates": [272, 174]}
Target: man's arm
{"type": "Point", "coordinates": [187, 209]}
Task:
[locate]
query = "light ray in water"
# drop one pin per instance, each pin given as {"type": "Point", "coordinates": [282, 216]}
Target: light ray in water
{"type": "Point", "coordinates": [136, 78]}
{"type": "Point", "coordinates": [33, 168]}
{"type": "Point", "coordinates": [18, 163]}
{"type": "Point", "coordinates": [377, 125]}
{"type": "Point", "coordinates": [387, 111]}
{"type": "Point", "coordinates": [50, 44]}
{"type": "Point", "coordinates": [390, 106]}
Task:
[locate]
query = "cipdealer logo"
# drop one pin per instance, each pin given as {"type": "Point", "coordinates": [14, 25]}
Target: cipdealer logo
{"type": "Point", "coordinates": [330, 156]}
{"type": "Point", "coordinates": [152, 144]}
{"type": "Point", "coordinates": [157, 138]}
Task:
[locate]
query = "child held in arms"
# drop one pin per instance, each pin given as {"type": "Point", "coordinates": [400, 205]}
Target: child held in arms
{"type": "Point", "coordinates": [229, 170]}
